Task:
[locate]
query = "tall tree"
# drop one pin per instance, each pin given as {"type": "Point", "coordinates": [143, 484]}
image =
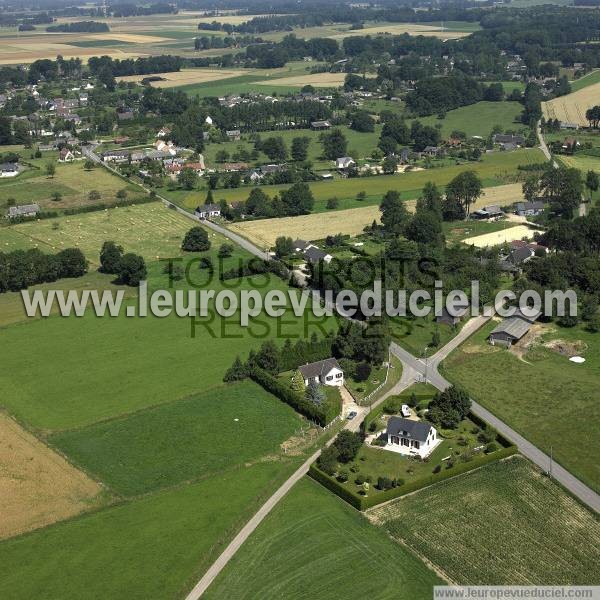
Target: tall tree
{"type": "Point", "coordinates": [394, 215]}
{"type": "Point", "coordinates": [465, 188]}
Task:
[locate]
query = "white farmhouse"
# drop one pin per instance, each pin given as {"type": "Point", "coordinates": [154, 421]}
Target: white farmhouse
{"type": "Point", "coordinates": [325, 372]}
{"type": "Point", "coordinates": [409, 437]}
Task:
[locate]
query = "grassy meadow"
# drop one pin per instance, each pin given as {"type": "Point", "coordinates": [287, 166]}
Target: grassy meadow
{"type": "Point", "coordinates": [313, 545]}
{"type": "Point", "coordinates": [188, 439]}
{"type": "Point", "coordinates": [544, 396]}
{"type": "Point", "coordinates": [503, 524]}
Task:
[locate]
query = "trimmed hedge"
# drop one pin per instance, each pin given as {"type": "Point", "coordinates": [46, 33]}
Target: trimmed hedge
{"type": "Point", "coordinates": [364, 502]}
{"type": "Point", "coordinates": [318, 414]}
{"type": "Point", "coordinates": [306, 352]}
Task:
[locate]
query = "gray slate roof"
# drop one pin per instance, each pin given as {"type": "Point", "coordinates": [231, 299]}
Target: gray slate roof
{"type": "Point", "coordinates": [314, 255]}
{"type": "Point", "coordinates": [319, 368]}
{"type": "Point", "coordinates": [513, 327]}
{"type": "Point", "coordinates": [25, 209]}
{"type": "Point", "coordinates": [415, 430]}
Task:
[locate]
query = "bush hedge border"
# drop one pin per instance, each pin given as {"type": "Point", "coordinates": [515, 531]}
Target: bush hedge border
{"type": "Point", "coordinates": [363, 502]}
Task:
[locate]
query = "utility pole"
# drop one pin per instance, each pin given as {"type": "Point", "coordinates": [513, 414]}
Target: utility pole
{"type": "Point", "coordinates": [425, 355]}
{"type": "Point", "coordinates": [550, 471]}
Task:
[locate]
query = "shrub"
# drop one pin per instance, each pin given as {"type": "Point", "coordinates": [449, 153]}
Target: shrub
{"type": "Point", "coordinates": [332, 203]}
{"type": "Point", "coordinates": [373, 426]}
{"type": "Point", "coordinates": [360, 479]}
{"type": "Point", "coordinates": [196, 240]}
{"type": "Point", "coordinates": [384, 483]}
{"type": "Point", "coordinates": [487, 435]}
{"type": "Point", "coordinates": [342, 476]}
{"type": "Point", "coordinates": [437, 468]}
{"type": "Point", "coordinates": [363, 370]}
{"type": "Point", "coordinates": [225, 251]}
{"type": "Point", "coordinates": [491, 447]}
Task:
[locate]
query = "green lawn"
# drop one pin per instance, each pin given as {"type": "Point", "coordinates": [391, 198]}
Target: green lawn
{"type": "Point", "coordinates": [550, 400]}
{"type": "Point", "coordinates": [589, 79]}
{"type": "Point", "coordinates": [504, 524]}
{"type": "Point", "coordinates": [478, 119]}
{"type": "Point", "coordinates": [456, 231]}
{"type": "Point", "coordinates": [154, 547]}
{"type": "Point", "coordinates": [184, 440]}
{"type": "Point", "coordinates": [417, 334]}
{"type": "Point", "coordinates": [313, 545]}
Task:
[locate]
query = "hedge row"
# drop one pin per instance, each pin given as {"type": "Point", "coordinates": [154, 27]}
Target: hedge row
{"type": "Point", "coordinates": [364, 502]}
{"type": "Point", "coordinates": [256, 266]}
{"type": "Point", "coordinates": [306, 352]}
{"type": "Point", "coordinates": [285, 394]}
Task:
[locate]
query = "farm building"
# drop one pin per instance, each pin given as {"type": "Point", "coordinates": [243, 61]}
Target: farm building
{"type": "Point", "coordinates": [345, 162]}
{"type": "Point", "coordinates": [529, 209]}
{"type": "Point", "coordinates": [412, 438]}
{"type": "Point", "coordinates": [517, 140]}
{"type": "Point", "coordinates": [325, 372]}
{"type": "Point", "coordinates": [320, 125]}
{"type": "Point", "coordinates": [26, 210]}
{"type": "Point", "coordinates": [492, 211]}
{"type": "Point", "coordinates": [9, 170]}
{"type": "Point", "coordinates": [235, 135]}
{"type": "Point", "coordinates": [512, 329]}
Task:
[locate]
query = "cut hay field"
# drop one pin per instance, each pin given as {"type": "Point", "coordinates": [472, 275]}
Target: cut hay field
{"type": "Point", "coordinates": [504, 524]}
{"type": "Point", "coordinates": [186, 77]}
{"type": "Point", "coordinates": [71, 180]}
{"type": "Point", "coordinates": [147, 229]}
{"type": "Point", "coordinates": [37, 486]}
{"type": "Point", "coordinates": [582, 162]}
{"type": "Point", "coordinates": [308, 227]}
{"type": "Point", "coordinates": [497, 238]}
{"type": "Point", "coordinates": [352, 221]}
{"type": "Point", "coordinates": [180, 441]}
{"type": "Point", "coordinates": [313, 545]}
{"type": "Point", "coordinates": [571, 108]}
{"type": "Point", "coordinates": [401, 28]}
{"type": "Point", "coordinates": [541, 394]}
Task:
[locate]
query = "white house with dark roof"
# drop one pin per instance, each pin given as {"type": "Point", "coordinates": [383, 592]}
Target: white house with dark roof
{"type": "Point", "coordinates": [208, 210]}
{"type": "Point", "coordinates": [325, 372]}
{"type": "Point", "coordinates": [411, 438]}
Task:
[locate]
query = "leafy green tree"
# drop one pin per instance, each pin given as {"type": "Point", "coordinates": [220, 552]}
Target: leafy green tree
{"type": "Point", "coordinates": [89, 164]}
{"type": "Point", "coordinates": [298, 199]}
{"type": "Point", "coordinates": [268, 357]}
{"type": "Point", "coordinates": [592, 182]}
{"type": "Point", "coordinates": [390, 163]}
{"type": "Point", "coordinates": [465, 189]}
{"type": "Point", "coordinates": [110, 257]}
{"type": "Point", "coordinates": [132, 269]}
{"type": "Point", "coordinates": [335, 144]}
{"type": "Point", "coordinates": [284, 246]}
{"type": "Point", "coordinates": [50, 169]}
{"type": "Point", "coordinates": [348, 444]}
{"type": "Point", "coordinates": [328, 460]}
{"type": "Point", "coordinates": [300, 148]}
{"type": "Point", "coordinates": [188, 178]}
{"type": "Point", "coordinates": [297, 381]}
{"type": "Point", "coordinates": [274, 148]}
{"type": "Point", "coordinates": [55, 197]}
{"type": "Point", "coordinates": [394, 215]}
{"type": "Point", "coordinates": [196, 240]}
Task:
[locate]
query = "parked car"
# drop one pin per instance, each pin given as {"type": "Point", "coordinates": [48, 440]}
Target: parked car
{"type": "Point", "coordinates": [351, 415]}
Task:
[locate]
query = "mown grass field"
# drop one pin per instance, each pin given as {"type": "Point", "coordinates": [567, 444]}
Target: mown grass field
{"type": "Point", "coordinates": [189, 439]}
{"type": "Point", "coordinates": [313, 545]}
{"type": "Point", "coordinates": [589, 79]}
{"type": "Point", "coordinates": [478, 119]}
{"type": "Point", "coordinates": [504, 524]}
{"type": "Point", "coordinates": [497, 168]}
{"type": "Point", "coordinates": [147, 229]}
{"type": "Point", "coordinates": [71, 180]}
{"type": "Point", "coordinates": [572, 107]}
{"type": "Point", "coordinates": [547, 398]}
{"type": "Point", "coordinates": [154, 547]}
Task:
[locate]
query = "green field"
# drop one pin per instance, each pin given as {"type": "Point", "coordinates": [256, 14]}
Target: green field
{"type": "Point", "coordinates": [504, 524]}
{"type": "Point", "coordinates": [155, 547]}
{"type": "Point", "coordinates": [71, 180]}
{"type": "Point", "coordinates": [313, 545]}
{"type": "Point", "coordinates": [494, 169]}
{"type": "Point", "coordinates": [588, 79]}
{"type": "Point", "coordinates": [416, 334]}
{"type": "Point", "coordinates": [181, 441]}
{"type": "Point", "coordinates": [147, 229]}
{"type": "Point", "coordinates": [547, 398]}
{"type": "Point", "coordinates": [478, 119]}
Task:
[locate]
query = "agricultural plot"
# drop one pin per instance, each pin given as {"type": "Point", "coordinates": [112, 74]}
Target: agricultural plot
{"type": "Point", "coordinates": [352, 221]}
{"type": "Point", "coordinates": [497, 168]}
{"type": "Point", "coordinates": [314, 79]}
{"type": "Point", "coordinates": [37, 486]}
{"type": "Point", "coordinates": [402, 28]}
{"type": "Point", "coordinates": [71, 181]}
{"type": "Point", "coordinates": [478, 119]}
{"type": "Point", "coordinates": [313, 545]}
{"type": "Point", "coordinates": [147, 229]}
{"type": "Point", "coordinates": [503, 236]}
{"type": "Point", "coordinates": [528, 389]}
{"type": "Point", "coordinates": [572, 107]}
{"type": "Point", "coordinates": [504, 524]}
{"type": "Point", "coordinates": [590, 79]}
{"type": "Point", "coordinates": [185, 77]}
{"type": "Point", "coordinates": [189, 439]}
{"type": "Point", "coordinates": [161, 543]}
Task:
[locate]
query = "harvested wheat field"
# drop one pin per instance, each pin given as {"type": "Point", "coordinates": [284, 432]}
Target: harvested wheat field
{"type": "Point", "coordinates": [308, 227]}
{"type": "Point", "coordinates": [37, 486]}
{"type": "Point", "coordinates": [185, 77]}
{"type": "Point", "coordinates": [497, 238]}
{"type": "Point", "coordinates": [571, 108]}
{"type": "Point", "coordinates": [502, 195]}
{"type": "Point", "coordinates": [410, 28]}
{"type": "Point", "coordinates": [10, 56]}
